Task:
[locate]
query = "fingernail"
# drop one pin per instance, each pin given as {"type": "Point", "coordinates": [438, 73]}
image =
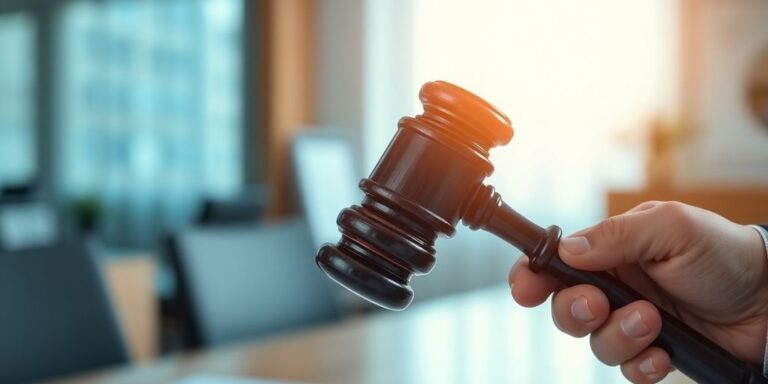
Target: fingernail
{"type": "Point", "coordinates": [575, 245]}
{"type": "Point", "coordinates": [580, 309]}
{"type": "Point", "coordinates": [512, 288]}
{"type": "Point", "coordinates": [633, 325]}
{"type": "Point", "coordinates": [647, 367]}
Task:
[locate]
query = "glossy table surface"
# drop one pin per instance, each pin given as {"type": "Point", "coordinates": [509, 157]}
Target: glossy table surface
{"type": "Point", "coordinates": [476, 337]}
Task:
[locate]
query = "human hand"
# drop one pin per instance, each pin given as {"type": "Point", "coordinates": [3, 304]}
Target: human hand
{"type": "Point", "coordinates": [708, 271]}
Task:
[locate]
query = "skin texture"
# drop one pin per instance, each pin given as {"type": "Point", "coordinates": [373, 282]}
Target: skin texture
{"type": "Point", "coordinates": [708, 271]}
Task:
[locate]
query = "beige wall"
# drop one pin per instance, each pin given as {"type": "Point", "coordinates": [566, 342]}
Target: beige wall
{"type": "Point", "coordinates": [721, 41]}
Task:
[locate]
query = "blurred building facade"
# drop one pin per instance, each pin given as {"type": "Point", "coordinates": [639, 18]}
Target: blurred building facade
{"type": "Point", "coordinates": [147, 109]}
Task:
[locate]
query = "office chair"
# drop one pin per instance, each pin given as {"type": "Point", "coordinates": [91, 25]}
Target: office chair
{"type": "Point", "coordinates": [55, 315]}
{"type": "Point", "coordinates": [246, 207]}
{"type": "Point", "coordinates": [248, 281]}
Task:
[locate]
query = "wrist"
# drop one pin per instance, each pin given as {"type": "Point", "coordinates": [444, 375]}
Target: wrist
{"type": "Point", "coordinates": [758, 249]}
{"type": "Point", "coordinates": [763, 232]}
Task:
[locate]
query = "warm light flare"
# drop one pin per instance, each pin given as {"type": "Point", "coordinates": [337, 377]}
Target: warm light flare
{"type": "Point", "coordinates": [570, 75]}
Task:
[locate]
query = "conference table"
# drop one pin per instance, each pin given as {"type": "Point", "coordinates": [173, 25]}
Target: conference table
{"type": "Point", "coordinates": [480, 336]}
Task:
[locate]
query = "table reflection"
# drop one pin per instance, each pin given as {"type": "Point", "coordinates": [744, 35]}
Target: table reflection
{"type": "Point", "coordinates": [479, 337]}
{"type": "Point", "coordinates": [476, 337]}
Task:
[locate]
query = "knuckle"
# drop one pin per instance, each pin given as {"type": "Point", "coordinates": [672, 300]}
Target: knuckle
{"type": "Point", "coordinates": [612, 227]}
{"type": "Point", "coordinates": [645, 205]}
{"type": "Point", "coordinates": [677, 213]}
{"type": "Point", "coordinates": [680, 218]}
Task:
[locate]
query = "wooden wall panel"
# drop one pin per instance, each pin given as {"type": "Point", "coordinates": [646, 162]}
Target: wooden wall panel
{"type": "Point", "coordinates": [745, 206]}
{"type": "Point", "coordinates": [289, 90]}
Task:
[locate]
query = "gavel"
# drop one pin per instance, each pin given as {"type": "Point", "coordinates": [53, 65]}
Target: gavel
{"type": "Point", "coordinates": [432, 176]}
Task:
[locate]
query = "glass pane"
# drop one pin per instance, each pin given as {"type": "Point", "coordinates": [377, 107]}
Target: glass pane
{"type": "Point", "coordinates": [17, 92]}
{"type": "Point", "coordinates": [150, 109]}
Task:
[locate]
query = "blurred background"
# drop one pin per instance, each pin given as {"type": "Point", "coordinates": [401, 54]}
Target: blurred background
{"type": "Point", "coordinates": [182, 160]}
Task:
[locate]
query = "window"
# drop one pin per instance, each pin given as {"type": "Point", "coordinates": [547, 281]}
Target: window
{"type": "Point", "coordinates": [148, 110]}
{"type": "Point", "coordinates": [571, 77]}
{"type": "Point", "coordinates": [17, 92]}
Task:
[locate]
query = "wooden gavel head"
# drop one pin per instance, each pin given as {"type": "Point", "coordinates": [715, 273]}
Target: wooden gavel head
{"type": "Point", "coordinates": [421, 187]}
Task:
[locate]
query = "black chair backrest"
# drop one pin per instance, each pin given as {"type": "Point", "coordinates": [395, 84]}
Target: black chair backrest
{"type": "Point", "coordinates": [246, 208]}
{"type": "Point", "coordinates": [249, 281]}
{"type": "Point", "coordinates": [55, 316]}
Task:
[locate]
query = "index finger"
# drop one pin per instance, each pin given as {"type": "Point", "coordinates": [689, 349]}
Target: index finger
{"type": "Point", "coordinates": [530, 289]}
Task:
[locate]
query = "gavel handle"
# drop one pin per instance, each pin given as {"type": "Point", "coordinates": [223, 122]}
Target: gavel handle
{"type": "Point", "coordinates": [690, 351]}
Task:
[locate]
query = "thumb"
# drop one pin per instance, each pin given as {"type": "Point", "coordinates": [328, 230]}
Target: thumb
{"type": "Point", "coordinates": [618, 240]}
